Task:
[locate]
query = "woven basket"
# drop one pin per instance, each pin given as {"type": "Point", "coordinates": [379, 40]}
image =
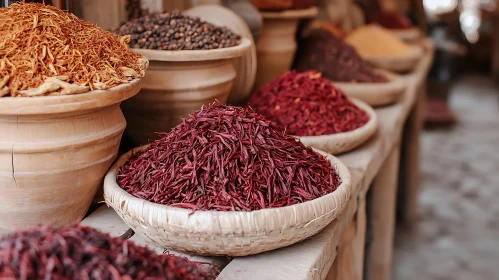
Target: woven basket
{"type": "Point", "coordinates": [403, 63]}
{"type": "Point", "coordinates": [376, 94]}
{"type": "Point", "coordinates": [226, 233]}
{"type": "Point", "coordinates": [343, 142]}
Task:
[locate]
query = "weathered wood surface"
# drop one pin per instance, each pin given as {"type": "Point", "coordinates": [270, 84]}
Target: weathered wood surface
{"type": "Point", "coordinates": [313, 258]}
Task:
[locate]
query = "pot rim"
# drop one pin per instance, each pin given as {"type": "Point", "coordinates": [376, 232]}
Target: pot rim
{"type": "Point", "coordinates": [17, 106]}
{"type": "Point", "coordinates": [196, 55]}
{"type": "Point", "coordinates": [292, 14]}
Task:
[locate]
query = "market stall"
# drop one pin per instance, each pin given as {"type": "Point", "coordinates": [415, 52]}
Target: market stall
{"type": "Point", "coordinates": [298, 182]}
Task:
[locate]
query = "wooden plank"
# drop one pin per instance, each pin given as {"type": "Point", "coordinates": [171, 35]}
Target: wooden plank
{"type": "Point", "coordinates": [349, 263]}
{"type": "Point", "coordinates": [106, 220]}
{"type": "Point", "coordinates": [384, 217]}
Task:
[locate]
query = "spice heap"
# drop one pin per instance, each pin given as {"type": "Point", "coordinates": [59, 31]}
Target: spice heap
{"type": "Point", "coordinates": [45, 51]}
{"type": "Point", "coordinates": [227, 159]}
{"type": "Point", "coordinates": [78, 252]}
{"type": "Point", "coordinates": [337, 61]}
{"type": "Point", "coordinates": [372, 41]}
{"type": "Point", "coordinates": [305, 104]}
{"type": "Point", "coordinates": [392, 20]}
{"type": "Point", "coordinates": [134, 9]}
{"type": "Point", "coordinates": [174, 31]}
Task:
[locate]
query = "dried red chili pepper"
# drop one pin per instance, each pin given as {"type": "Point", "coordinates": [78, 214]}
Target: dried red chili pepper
{"type": "Point", "coordinates": [227, 159]}
{"type": "Point", "coordinates": [305, 104]}
{"type": "Point", "coordinates": [79, 253]}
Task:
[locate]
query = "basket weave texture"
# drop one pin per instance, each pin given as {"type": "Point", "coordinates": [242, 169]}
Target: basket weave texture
{"type": "Point", "coordinates": [226, 233]}
{"type": "Point", "coordinates": [343, 142]}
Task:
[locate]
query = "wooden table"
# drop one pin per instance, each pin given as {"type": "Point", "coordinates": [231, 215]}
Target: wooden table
{"type": "Point", "coordinates": [337, 252]}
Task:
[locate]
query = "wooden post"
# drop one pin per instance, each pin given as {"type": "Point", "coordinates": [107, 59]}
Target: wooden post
{"type": "Point", "coordinates": [384, 216]}
{"type": "Point", "coordinates": [349, 263]}
{"type": "Point", "coordinates": [412, 159]}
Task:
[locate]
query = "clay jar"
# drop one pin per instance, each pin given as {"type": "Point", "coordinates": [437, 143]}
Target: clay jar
{"type": "Point", "coordinates": [54, 153]}
{"type": "Point", "coordinates": [176, 84]}
{"type": "Point", "coordinates": [277, 45]}
{"type": "Point", "coordinates": [245, 65]}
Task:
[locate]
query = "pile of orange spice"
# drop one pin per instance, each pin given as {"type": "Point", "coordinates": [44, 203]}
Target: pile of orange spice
{"type": "Point", "coordinates": [46, 51]}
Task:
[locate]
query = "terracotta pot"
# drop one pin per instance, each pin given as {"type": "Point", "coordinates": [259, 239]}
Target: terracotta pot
{"type": "Point", "coordinates": [54, 153]}
{"type": "Point", "coordinates": [176, 84]}
{"type": "Point", "coordinates": [245, 65]}
{"type": "Point", "coordinates": [276, 47]}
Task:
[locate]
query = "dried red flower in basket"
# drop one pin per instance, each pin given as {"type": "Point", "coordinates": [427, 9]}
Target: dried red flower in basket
{"type": "Point", "coordinates": [306, 104]}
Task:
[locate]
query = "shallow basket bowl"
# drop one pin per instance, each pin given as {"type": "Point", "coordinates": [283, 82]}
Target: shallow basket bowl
{"type": "Point", "coordinates": [376, 94]}
{"type": "Point", "coordinates": [402, 63]}
{"type": "Point", "coordinates": [343, 142]}
{"type": "Point", "coordinates": [226, 233]}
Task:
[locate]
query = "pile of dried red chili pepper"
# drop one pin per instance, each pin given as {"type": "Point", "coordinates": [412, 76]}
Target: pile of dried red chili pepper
{"type": "Point", "coordinates": [78, 252]}
{"type": "Point", "coordinates": [306, 104]}
{"type": "Point", "coordinates": [227, 159]}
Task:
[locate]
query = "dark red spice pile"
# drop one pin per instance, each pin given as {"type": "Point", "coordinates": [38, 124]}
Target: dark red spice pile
{"type": "Point", "coordinates": [392, 20]}
{"type": "Point", "coordinates": [80, 253]}
{"type": "Point", "coordinates": [306, 104]}
{"type": "Point", "coordinates": [320, 50]}
{"type": "Point", "coordinates": [227, 159]}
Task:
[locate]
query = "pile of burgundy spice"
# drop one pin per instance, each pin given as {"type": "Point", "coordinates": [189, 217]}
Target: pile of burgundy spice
{"type": "Point", "coordinates": [321, 50]}
{"type": "Point", "coordinates": [306, 104]}
{"type": "Point", "coordinates": [227, 158]}
{"type": "Point", "coordinates": [79, 252]}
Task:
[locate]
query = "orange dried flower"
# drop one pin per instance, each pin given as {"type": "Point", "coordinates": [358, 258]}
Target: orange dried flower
{"type": "Point", "coordinates": [38, 42]}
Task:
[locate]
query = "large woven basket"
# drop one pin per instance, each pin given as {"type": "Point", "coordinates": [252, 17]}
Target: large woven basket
{"type": "Point", "coordinates": [343, 142]}
{"type": "Point", "coordinates": [376, 94]}
{"type": "Point", "coordinates": [226, 233]}
{"type": "Point", "coordinates": [403, 63]}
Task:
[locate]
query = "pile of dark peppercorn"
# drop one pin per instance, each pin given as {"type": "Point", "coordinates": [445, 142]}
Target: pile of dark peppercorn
{"type": "Point", "coordinates": [319, 49]}
{"type": "Point", "coordinates": [174, 31]}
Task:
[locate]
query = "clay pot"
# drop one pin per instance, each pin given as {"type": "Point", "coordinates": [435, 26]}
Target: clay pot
{"type": "Point", "coordinates": [277, 45]}
{"type": "Point", "coordinates": [245, 65]}
{"type": "Point", "coordinates": [54, 153]}
{"type": "Point", "coordinates": [176, 84]}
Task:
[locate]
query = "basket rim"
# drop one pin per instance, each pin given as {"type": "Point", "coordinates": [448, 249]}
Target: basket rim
{"type": "Point", "coordinates": [291, 14]}
{"type": "Point", "coordinates": [196, 55]}
{"type": "Point", "coordinates": [369, 128]}
{"type": "Point", "coordinates": [394, 79]}
{"type": "Point", "coordinates": [414, 54]}
{"type": "Point", "coordinates": [110, 184]}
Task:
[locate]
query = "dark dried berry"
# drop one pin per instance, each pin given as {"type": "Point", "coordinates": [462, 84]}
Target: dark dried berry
{"type": "Point", "coordinates": [169, 30]}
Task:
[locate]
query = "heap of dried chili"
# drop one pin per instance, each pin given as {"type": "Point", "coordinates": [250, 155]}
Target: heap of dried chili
{"type": "Point", "coordinates": [306, 104]}
{"type": "Point", "coordinates": [78, 252]}
{"type": "Point", "coordinates": [46, 51]}
{"type": "Point", "coordinates": [227, 159]}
